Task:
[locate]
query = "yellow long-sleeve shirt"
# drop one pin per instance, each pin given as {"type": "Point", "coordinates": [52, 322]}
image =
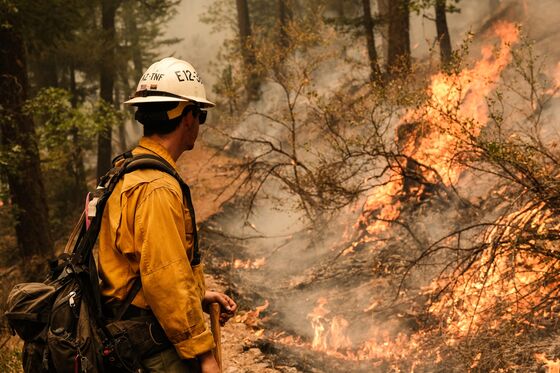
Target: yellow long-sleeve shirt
{"type": "Point", "coordinates": [146, 231]}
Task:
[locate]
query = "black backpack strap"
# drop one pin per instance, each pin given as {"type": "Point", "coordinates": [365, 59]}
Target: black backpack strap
{"type": "Point", "coordinates": [125, 155]}
{"type": "Point", "coordinates": [136, 286]}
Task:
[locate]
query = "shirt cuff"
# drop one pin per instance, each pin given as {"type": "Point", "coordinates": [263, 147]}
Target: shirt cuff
{"type": "Point", "coordinates": [190, 348]}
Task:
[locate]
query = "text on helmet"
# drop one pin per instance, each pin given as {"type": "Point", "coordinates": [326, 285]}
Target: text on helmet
{"type": "Point", "coordinates": [153, 76]}
{"type": "Point", "coordinates": [183, 75]}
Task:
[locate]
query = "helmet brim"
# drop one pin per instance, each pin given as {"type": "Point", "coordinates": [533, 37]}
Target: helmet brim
{"type": "Point", "coordinates": [135, 101]}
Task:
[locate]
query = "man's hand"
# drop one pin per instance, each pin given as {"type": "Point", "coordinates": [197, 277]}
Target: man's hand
{"type": "Point", "coordinates": [208, 363]}
{"type": "Point", "coordinates": [227, 305]}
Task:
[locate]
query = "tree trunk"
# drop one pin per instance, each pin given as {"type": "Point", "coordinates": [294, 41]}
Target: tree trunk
{"type": "Point", "coordinates": [133, 35]}
{"type": "Point", "coordinates": [339, 8]}
{"type": "Point", "coordinates": [106, 81]}
{"type": "Point", "coordinates": [375, 73]}
{"type": "Point", "coordinates": [284, 19]}
{"type": "Point", "coordinates": [76, 161]}
{"type": "Point", "coordinates": [398, 54]}
{"type": "Point", "coordinates": [249, 60]}
{"type": "Point", "coordinates": [383, 26]}
{"type": "Point", "coordinates": [23, 171]}
{"type": "Point", "coordinates": [44, 68]}
{"type": "Point", "coordinates": [123, 146]}
{"type": "Point", "coordinates": [443, 37]}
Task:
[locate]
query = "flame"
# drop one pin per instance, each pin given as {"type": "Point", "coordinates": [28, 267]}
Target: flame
{"type": "Point", "coordinates": [380, 205]}
{"type": "Point", "coordinates": [253, 318]}
{"type": "Point", "coordinates": [454, 114]}
{"type": "Point", "coordinates": [330, 336]}
{"type": "Point", "coordinates": [458, 98]}
{"type": "Point", "coordinates": [506, 282]}
{"type": "Point", "coordinates": [449, 122]}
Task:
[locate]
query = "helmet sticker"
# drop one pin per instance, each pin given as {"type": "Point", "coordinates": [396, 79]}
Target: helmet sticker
{"type": "Point", "coordinates": [183, 75]}
{"type": "Point", "coordinates": [152, 76]}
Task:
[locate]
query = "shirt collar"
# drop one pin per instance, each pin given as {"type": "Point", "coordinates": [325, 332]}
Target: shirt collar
{"type": "Point", "coordinates": [147, 144]}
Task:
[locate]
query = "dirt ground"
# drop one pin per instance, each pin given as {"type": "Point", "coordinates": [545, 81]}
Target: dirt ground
{"type": "Point", "coordinates": [211, 182]}
{"type": "Point", "coordinates": [239, 340]}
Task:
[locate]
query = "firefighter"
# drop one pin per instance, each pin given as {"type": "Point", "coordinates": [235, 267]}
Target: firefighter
{"type": "Point", "coordinates": [148, 228]}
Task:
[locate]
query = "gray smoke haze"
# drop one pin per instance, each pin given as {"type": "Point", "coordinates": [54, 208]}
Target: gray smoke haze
{"type": "Point", "coordinates": [289, 257]}
{"type": "Point", "coordinates": [199, 45]}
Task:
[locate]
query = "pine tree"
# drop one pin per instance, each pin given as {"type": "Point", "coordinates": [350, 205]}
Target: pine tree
{"type": "Point", "coordinates": [245, 38]}
{"type": "Point", "coordinates": [443, 37]}
{"type": "Point", "coordinates": [375, 74]}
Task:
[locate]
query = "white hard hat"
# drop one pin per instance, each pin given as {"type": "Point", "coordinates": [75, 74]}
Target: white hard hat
{"type": "Point", "coordinates": [170, 80]}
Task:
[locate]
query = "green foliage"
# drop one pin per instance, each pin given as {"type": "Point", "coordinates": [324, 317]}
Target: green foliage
{"type": "Point", "coordinates": [65, 136]}
{"type": "Point", "coordinates": [106, 116]}
{"type": "Point", "coordinates": [59, 125]}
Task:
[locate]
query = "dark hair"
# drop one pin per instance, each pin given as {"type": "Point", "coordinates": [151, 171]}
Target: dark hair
{"type": "Point", "coordinates": [153, 117]}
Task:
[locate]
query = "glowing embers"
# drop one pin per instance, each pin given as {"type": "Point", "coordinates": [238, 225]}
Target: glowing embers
{"type": "Point", "coordinates": [249, 264]}
{"type": "Point", "coordinates": [244, 264]}
{"type": "Point", "coordinates": [552, 366]}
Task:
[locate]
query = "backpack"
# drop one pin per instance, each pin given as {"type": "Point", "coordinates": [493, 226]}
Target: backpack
{"type": "Point", "coordinates": [62, 319]}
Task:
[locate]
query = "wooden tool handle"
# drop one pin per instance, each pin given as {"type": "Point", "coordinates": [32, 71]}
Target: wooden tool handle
{"type": "Point", "coordinates": [215, 328]}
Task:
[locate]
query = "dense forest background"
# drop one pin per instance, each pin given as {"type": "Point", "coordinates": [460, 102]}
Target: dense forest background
{"type": "Point", "coordinates": [386, 171]}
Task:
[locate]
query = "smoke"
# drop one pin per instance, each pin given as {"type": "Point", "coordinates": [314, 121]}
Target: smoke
{"type": "Point", "coordinates": [199, 44]}
{"type": "Point", "coordinates": [302, 266]}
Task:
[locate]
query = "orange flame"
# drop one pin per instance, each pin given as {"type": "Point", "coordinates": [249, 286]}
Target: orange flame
{"type": "Point", "coordinates": [252, 318]}
{"type": "Point", "coordinates": [453, 116]}
{"type": "Point", "coordinates": [450, 121]}
{"type": "Point", "coordinates": [510, 279]}
{"type": "Point", "coordinates": [456, 110]}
